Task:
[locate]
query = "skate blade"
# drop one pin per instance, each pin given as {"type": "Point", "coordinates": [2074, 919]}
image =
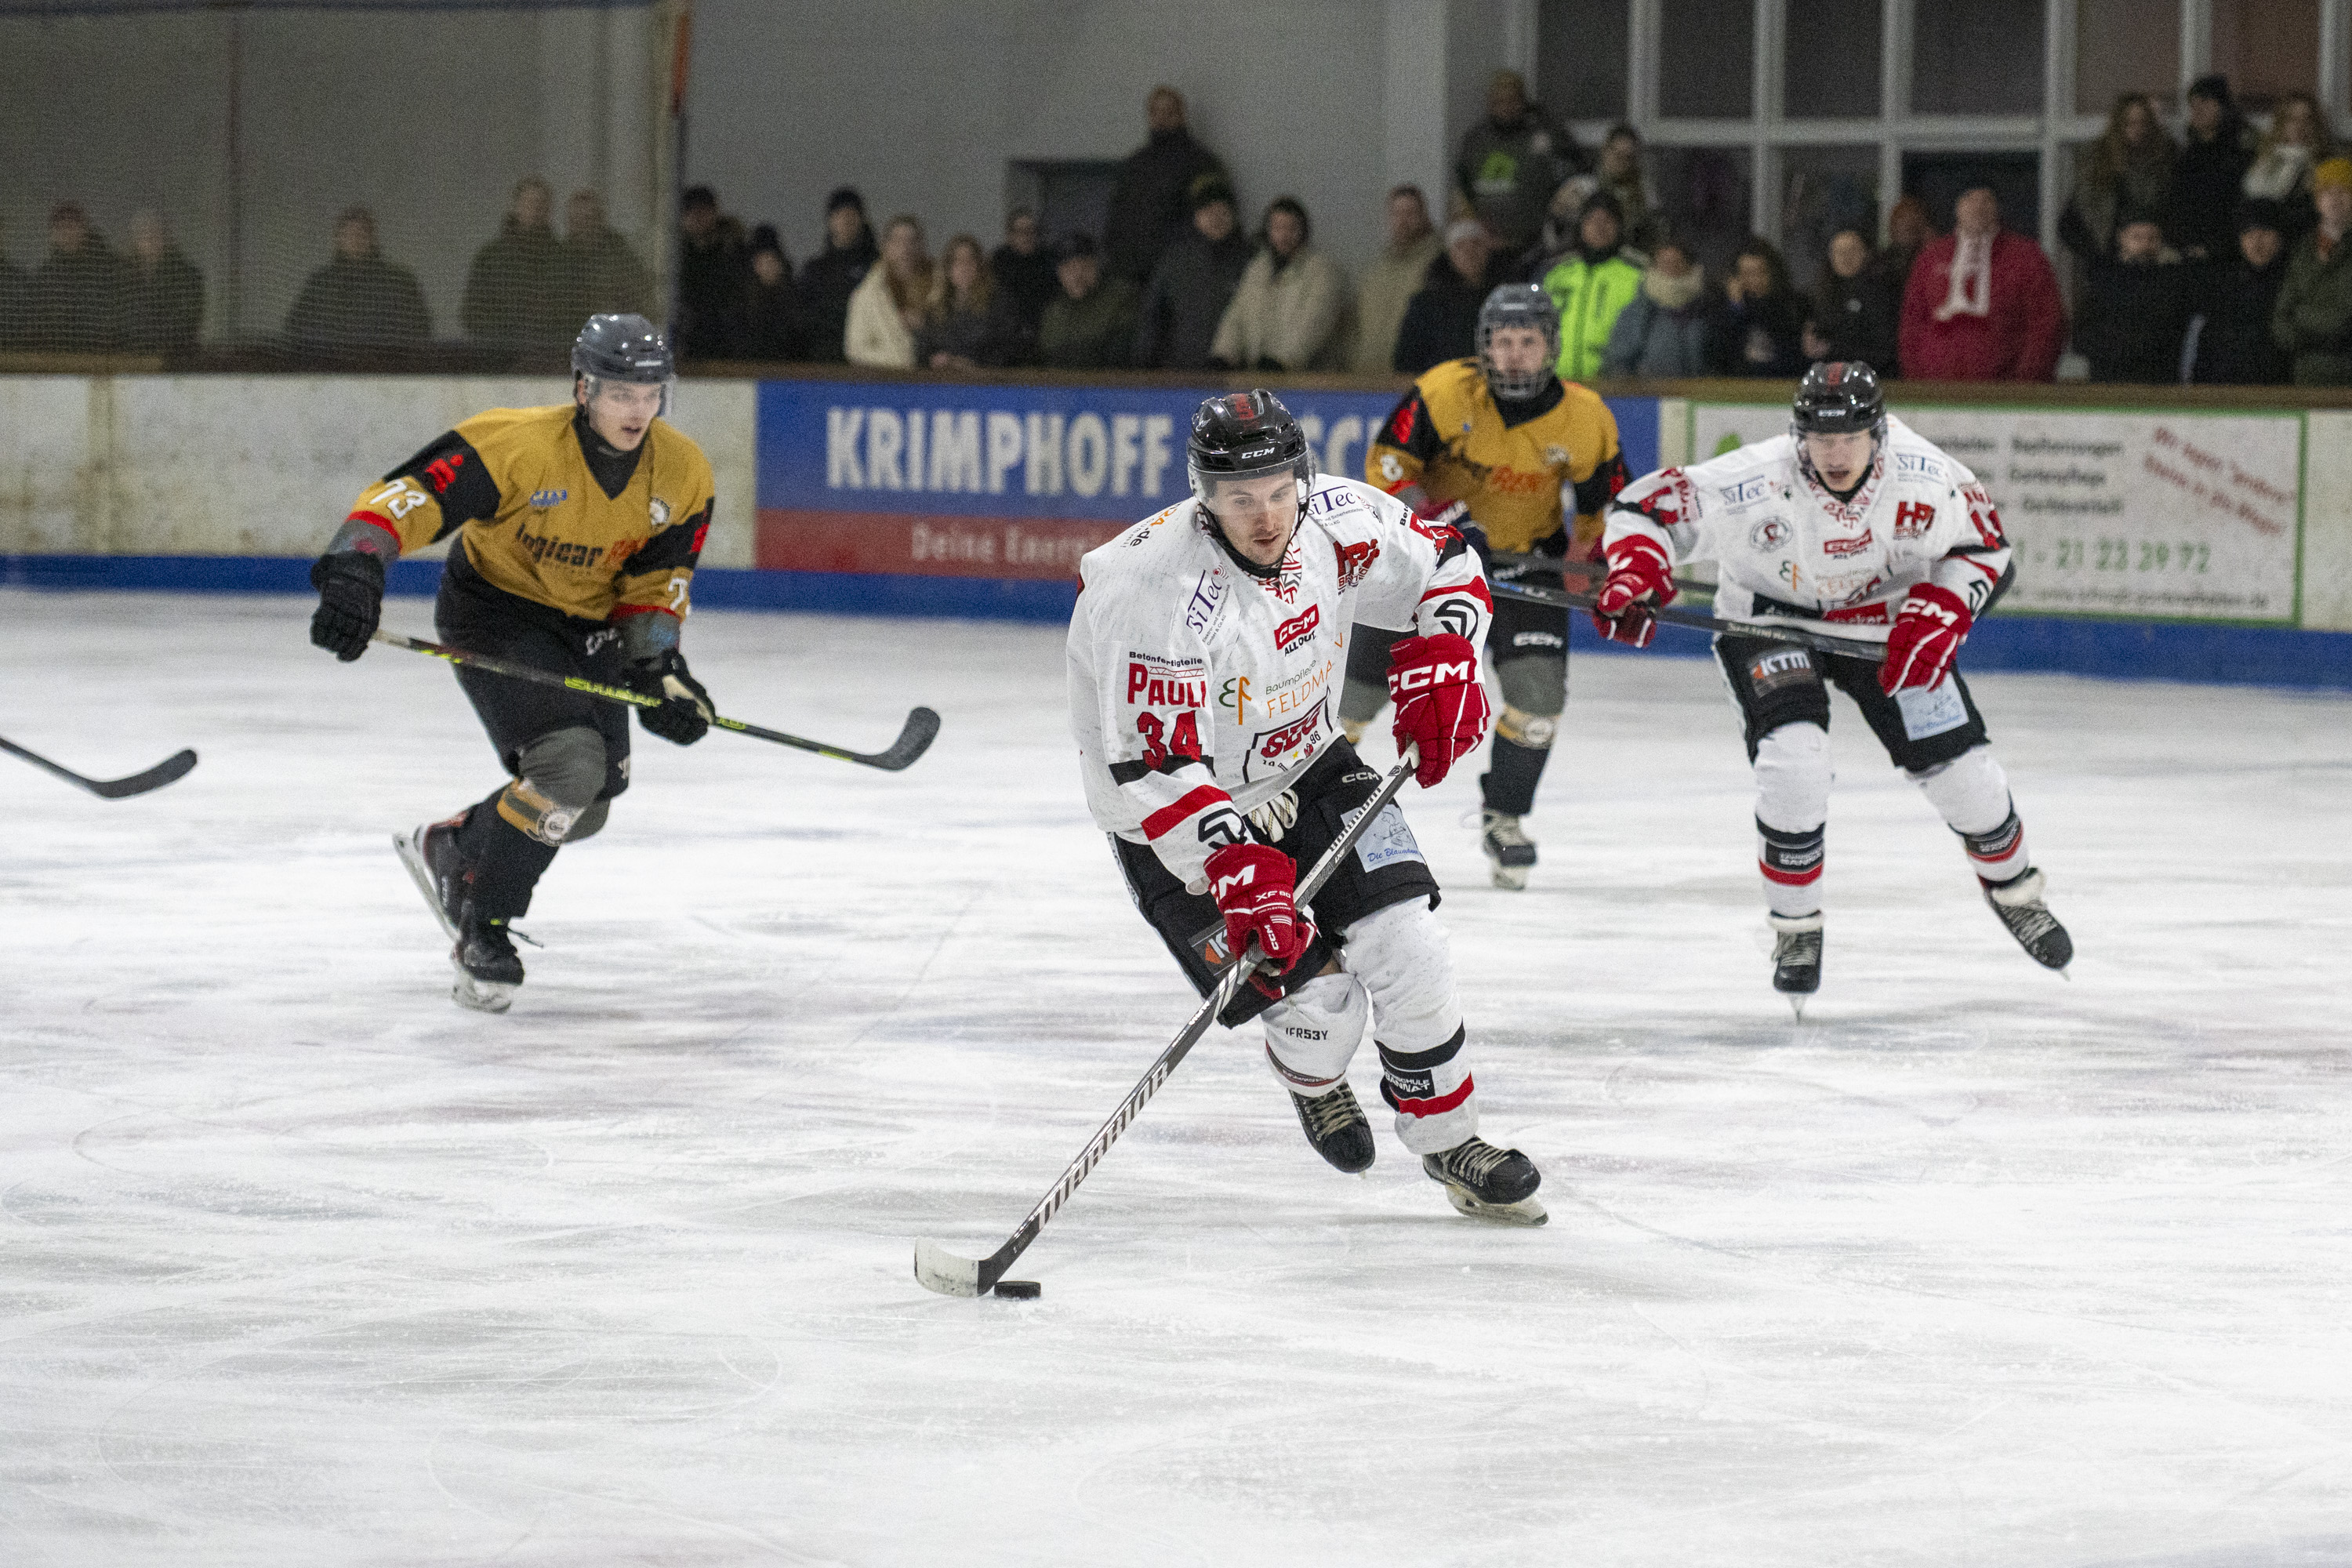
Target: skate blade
{"type": "Point", "coordinates": [480, 996]}
{"type": "Point", "coordinates": [1525, 1212]}
{"type": "Point", "coordinates": [1513, 878]}
{"type": "Point", "coordinates": [1797, 1003]}
{"type": "Point", "coordinates": [413, 857]}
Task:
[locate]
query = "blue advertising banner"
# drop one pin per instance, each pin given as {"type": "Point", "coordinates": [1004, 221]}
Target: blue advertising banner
{"type": "Point", "coordinates": [956, 498]}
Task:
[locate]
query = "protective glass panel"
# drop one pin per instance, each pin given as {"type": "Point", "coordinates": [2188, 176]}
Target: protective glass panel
{"type": "Point", "coordinates": [1824, 190]}
{"type": "Point", "coordinates": [1830, 60]}
{"type": "Point", "coordinates": [1977, 57]}
{"type": "Point", "coordinates": [2268, 48]}
{"type": "Point", "coordinates": [2126, 45]}
{"type": "Point", "coordinates": [1704, 195]}
{"type": "Point", "coordinates": [1581, 49]}
{"type": "Point", "coordinates": [1713, 77]}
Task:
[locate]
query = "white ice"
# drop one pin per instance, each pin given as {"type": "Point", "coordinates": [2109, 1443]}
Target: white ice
{"type": "Point", "coordinates": [301, 1265]}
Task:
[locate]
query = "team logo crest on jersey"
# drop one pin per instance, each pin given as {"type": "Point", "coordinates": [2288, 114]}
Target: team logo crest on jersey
{"type": "Point", "coordinates": [1270, 751]}
{"type": "Point", "coordinates": [1913, 518]}
{"type": "Point", "coordinates": [661, 509]}
{"type": "Point", "coordinates": [1354, 562]}
{"type": "Point", "coordinates": [544, 499]}
{"type": "Point", "coordinates": [1770, 533]}
{"type": "Point", "coordinates": [1556, 457]}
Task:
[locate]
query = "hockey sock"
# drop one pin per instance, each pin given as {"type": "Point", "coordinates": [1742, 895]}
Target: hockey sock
{"type": "Point", "coordinates": [1791, 864]}
{"type": "Point", "coordinates": [1971, 793]}
{"type": "Point", "coordinates": [1431, 1093]}
{"type": "Point", "coordinates": [506, 862]}
{"type": "Point", "coordinates": [1522, 745]}
{"type": "Point", "coordinates": [1999, 857]}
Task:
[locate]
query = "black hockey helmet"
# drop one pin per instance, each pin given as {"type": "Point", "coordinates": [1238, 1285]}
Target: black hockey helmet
{"type": "Point", "coordinates": [624, 349]}
{"type": "Point", "coordinates": [1244, 435]}
{"type": "Point", "coordinates": [1519, 305]}
{"type": "Point", "coordinates": [1839, 397]}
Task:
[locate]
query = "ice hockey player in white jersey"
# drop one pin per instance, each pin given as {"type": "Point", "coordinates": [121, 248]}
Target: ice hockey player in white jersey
{"type": "Point", "coordinates": [1854, 522]}
{"type": "Point", "coordinates": [1205, 659]}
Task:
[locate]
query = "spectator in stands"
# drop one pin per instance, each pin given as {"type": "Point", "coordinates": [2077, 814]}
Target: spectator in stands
{"type": "Point", "coordinates": [515, 291]}
{"type": "Point", "coordinates": [1177, 325]}
{"type": "Point", "coordinates": [358, 301]}
{"type": "Point", "coordinates": [1857, 310]}
{"type": "Point", "coordinates": [1907, 233]}
{"type": "Point", "coordinates": [771, 325]}
{"type": "Point", "coordinates": [2215, 154]}
{"type": "Point", "coordinates": [1593, 284]}
{"type": "Point", "coordinates": [1510, 162]}
{"type": "Point", "coordinates": [966, 322]}
{"type": "Point", "coordinates": [714, 275]}
{"type": "Point", "coordinates": [834, 274]}
{"type": "Point", "coordinates": [74, 299]}
{"type": "Point", "coordinates": [1024, 270]}
{"type": "Point", "coordinates": [2297, 142]}
{"type": "Point", "coordinates": [1758, 325]}
{"type": "Point", "coordinates": [1293, 309]}
{"type": "Point", "coordinates": [2313, 318]}
{"type": "Point", "coordinates": [1983, 303]}
{"type": "Point", "coordinates": [1393, 279]}
{"type": "Point", "coordinates": [163, 292]}
{"type": "Point", "coordinates": [1622, 176]}
{"type": "Point", "coordinates": [2234, 345]}
{"type": "Point", "coordinates": [1441, 322]}
{"type": "Point", "coordinates": [1147, 203]}
{"type": "Point", "coordinates": [887, 311]}
{"type": "Point", "coordinates": [2126, 173]}
{"type": "Point", "coordinates": [601, 273]}
{"type": "Point", "coordinates": [1090, 325]}
{"type": "Point", "coordinates": [2137, 304]}
{"type": "Point", "coordinates": [1663, 333]}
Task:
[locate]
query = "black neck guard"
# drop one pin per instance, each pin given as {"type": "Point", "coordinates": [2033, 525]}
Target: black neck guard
{"type": "Point", "coordinates": [612, 467]}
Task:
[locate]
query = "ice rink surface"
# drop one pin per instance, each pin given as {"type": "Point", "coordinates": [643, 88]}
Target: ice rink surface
{"type": "Point", "coordinates": [300, 1264]}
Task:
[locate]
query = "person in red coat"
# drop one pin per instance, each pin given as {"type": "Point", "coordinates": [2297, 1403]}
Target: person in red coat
{"type": "Point", "coordinates": [1982, 304]}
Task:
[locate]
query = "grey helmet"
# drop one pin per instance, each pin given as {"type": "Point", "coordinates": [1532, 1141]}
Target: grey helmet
{"type": "Point", "coordinates": [1519, 305]}
{"type": "Point", "coordinates": [625, 349]}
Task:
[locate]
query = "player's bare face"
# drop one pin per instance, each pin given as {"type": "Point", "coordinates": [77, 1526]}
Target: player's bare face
{"type": "Point", "coordinates": [1257, 515]}
{"type": "Point", "coordinates": [1840, 460]}
{"type": "Point", "coordinates": [622, 412]}
{"type": "Point", "coordinates": [1517, 351]}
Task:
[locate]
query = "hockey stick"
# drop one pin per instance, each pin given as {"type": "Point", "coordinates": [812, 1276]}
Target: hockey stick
{"type": "Point", "coordinates": [922, 724]}
{"type": "Point", "coordinates": [1850, 648]}
{"type": "Point", "coordinates": [941, 1270]}
{"type": "Point", "coordinates": [1589, 570]}
{"type": "Point", "coordinates": [172, 767]}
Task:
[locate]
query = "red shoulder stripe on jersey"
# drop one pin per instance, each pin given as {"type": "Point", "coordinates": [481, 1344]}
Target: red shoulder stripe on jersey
{"type": "Point", "coordinates": [1972, 561]}
{"type": "Point", "coordinates": [1169, 816]}
{"type": "Point", "coordinates": [1437, 1105]}
{"type": "Point", "coordinates": [1475, 588]}
{"type": "Point", "coordinates": [622, 612]}
{"type": "Point", "coordinates": [375, 521]}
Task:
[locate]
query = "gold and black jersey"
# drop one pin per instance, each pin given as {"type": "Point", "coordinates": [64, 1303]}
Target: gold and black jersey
{"type": "Point", "coordinates": [538, 522]}
{"type": "Point", "coordinates": [1508, 463]}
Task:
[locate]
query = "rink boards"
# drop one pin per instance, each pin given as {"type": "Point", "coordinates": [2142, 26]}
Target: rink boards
{"type": "Point", "coordinates": [2201, 544]}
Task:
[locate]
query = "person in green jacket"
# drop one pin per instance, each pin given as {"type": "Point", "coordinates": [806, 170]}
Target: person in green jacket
{"type": "Point", "coordinates": [1593, 284]}
{"type": "Point", "coordinates": [2313, 318]}
{"type": "Point", "coordinates": [1090, 325]}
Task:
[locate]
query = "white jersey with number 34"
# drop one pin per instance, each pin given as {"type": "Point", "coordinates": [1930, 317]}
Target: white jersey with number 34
{"type": "Point", "coordinates": [1199, 689]}
{"type": "Point", "coordinates": [1785, 545]}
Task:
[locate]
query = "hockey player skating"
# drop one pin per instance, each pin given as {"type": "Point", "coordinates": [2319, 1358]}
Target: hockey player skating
{"type": "Point", "coordinates": [578, 527]}
{"type": "Point", "coordinates": [1203, 662]}
{"type": "Point", "coordinates": [1502, 436]}
{"type": "Point", "coordinates": [1852, 517]}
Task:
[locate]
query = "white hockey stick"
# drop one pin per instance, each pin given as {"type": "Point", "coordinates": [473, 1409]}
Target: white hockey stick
{"type": "Point", "coordinates": [943, 1272]}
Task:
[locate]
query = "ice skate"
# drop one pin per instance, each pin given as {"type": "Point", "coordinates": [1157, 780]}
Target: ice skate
{"type": "Point", "coordinates": [430, 853]}
{"type": "Point", "coordinates": [1510, 851]}
{"type": "Point", "coordinates": [488, 970]}
{"type": "Point", "coordinates": [1487, 1183]}
{"type": "Point", "coordinates": [1796, 957]}
{"type": "Point", "coordinates": [1335, 1124]}
{"type": "Point", "coordinates": [2018, 904]}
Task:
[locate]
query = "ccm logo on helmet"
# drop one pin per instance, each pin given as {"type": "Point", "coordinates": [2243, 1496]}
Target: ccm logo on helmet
{"type": "Point", "coordinates": [1436, 675]}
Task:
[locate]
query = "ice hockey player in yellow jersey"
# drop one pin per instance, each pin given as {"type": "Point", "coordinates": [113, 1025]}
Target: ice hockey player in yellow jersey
{"type": "Point", "coordinates": [577, 531]}
{"type": "Point", "coordinates": [1533, 460]}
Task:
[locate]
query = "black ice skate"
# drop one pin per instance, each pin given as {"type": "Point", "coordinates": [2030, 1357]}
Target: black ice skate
{"type": "Point", "coordinates": [1335, 1125]}
{"type": "Point", "coordinates": [1487, 1183]}
{"type": "Point", "coordinates": [430, 853]}
{"type": "Point", "coordinates": [1796, 957]}
{"type": "Point", "coordinates": [488, 970]}
{"type": "Point", "coordinates": [1509, 850]}
{"type": "Point", "coordinates": [2018, 902]}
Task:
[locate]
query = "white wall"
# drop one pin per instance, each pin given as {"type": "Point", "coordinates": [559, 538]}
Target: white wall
{"type": "Point", "coordinates": [923, 103]}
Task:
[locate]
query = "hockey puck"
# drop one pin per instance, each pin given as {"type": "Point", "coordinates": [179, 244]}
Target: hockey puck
{"type": "Point", "coordinates": [1019, 1289]}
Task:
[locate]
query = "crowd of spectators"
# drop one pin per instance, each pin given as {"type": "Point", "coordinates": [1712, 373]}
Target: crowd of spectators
{"type": "Point", "coordinates": [2217, 256]}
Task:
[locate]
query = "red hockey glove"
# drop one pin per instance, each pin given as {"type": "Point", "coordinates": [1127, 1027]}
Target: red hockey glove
{"type": "Point", "coordinates": [1640, 576]}
{"type": "Point", "coordinates": [1928, 631]}
{"type": "Point", "coordinates": [1253, 885]}
{"type": "Point", "coordinates": [1441, 704]}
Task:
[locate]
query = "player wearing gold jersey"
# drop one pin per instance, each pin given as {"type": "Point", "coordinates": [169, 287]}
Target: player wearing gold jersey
{"type": "Point", "coordinates": [1532, 461]}
{"type": "Point", "coordinates": [578, 528]}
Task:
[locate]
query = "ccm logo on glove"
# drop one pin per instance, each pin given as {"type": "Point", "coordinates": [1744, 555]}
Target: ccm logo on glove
{"type": "Point", "coordinates": [1925, 639]}
{"type": "Point", "coordinates": [1441, 705]}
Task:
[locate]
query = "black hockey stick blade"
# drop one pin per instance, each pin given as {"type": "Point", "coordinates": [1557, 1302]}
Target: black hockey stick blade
{"type": "Point", "coordinates": [915, 738]}
{"type": "Point", "coordinates": [175, 766]}
{"type": "Point", "coordinates": [937, 1269]}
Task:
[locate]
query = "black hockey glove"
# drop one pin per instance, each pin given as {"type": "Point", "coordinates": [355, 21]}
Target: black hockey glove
{"type": "Point", "coordinates": [350, 601]}
{"type": "Point", "coordinates": [686, 712]}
